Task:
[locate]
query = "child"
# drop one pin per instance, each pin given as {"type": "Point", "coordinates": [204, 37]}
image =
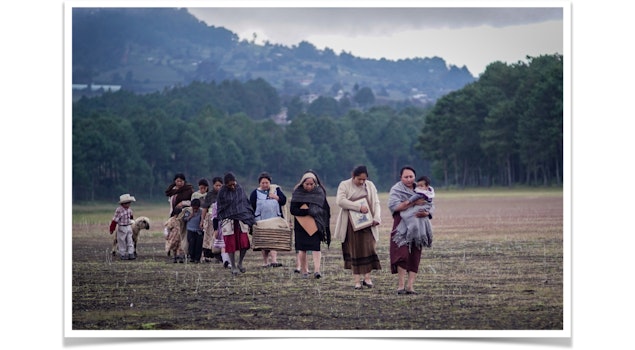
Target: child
{"type": "Point", "coordinates": [194, 231]}
{"type": "Point", "coordinates": [123, 220]}
{"type": "Point", "coordinates": [423, 191]}
{"type": "Point", "coordinates": [173, 237]}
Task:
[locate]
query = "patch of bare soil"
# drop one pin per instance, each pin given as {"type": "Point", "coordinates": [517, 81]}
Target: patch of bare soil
{"type": "Point", "coordinates": [496, 264]}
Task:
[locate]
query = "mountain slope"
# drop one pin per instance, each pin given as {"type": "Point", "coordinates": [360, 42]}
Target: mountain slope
{"type": "Point", "coordinates": [150, 49]}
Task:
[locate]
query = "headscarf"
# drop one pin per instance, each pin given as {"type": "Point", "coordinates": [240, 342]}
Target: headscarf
{"type": "Point", "coordinates": [319, 207]}
{"type": "Point", "coordinates": [234, 204]}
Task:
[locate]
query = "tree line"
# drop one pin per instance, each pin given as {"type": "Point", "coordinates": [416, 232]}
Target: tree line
{"type": "Point", "coordinates": [503, 129]}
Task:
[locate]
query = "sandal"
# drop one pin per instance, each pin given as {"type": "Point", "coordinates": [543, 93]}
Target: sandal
{"type": "Point", "coordinates": [401, 291]}
{"type": "Point", "coordinates": [369, 285]}
{"type": "Point", "coordinates": [358, 287]}
{"type": "Point", "coordinates": [317, 275]}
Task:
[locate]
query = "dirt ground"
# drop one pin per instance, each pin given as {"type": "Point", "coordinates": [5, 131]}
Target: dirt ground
{"type": "Point", "coordinates": [496, 264]}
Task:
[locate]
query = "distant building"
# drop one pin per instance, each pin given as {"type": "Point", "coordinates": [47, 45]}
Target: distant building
{"type": "Point", "coordinates": [281, 118]}
{"type": "Point", "coordinates": [97, 87]}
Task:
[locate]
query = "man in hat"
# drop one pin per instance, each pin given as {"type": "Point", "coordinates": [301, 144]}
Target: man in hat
{"type": "Point", "coordinates": [123, 220]}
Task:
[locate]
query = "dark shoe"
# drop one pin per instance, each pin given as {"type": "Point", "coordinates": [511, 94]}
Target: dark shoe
{"type": "Point", "coordinates": [317, 275]}
{"type": "Point", "coordinates": [411, 292]}
{"type": "Point", "coordinates": [124, 257]}
{"type": "Point", "coordinates": [358, 287]}
{"type": "Point", "coordinates": [401, 291]}
{"type": "Point", "coordinates": [305, 275]}
{"type": "Point", "coordinates": [131, 256]}
{"type": "Point", "coordinates": [242, 269]}
{"type": "Point", "coordinates": [226, 264]}
{"type": "Point", "coordinates": [296, 271]}
{"type": "Point", "coordinates": [276, 264]}
{"type": "Point", "coordinates": [369, 285]}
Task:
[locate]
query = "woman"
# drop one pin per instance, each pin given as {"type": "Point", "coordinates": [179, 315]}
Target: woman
{"type": "Point", "coordinates": [312, 216]}
{"type": "Point", "coordinates": [404, 255]}
{"type": "Point", "coordinates": [179, 193]}
{"type": "Point", "coordinates": [267, 202]}
{"type": "Point", "coordinates": [235, 219]}
{"type": "Point", "coordinates": [358, 247]}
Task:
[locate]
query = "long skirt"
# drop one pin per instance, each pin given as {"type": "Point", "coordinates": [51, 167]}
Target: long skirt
{"type": "Point", "coordinates": [406, 256]}
{"type": "Point", "coordinates": [359, 251]}
{"type": "Point", "coordinates": [208, 228]}
{"type": "Point", "coordinates": [238, 241]}
{"type": "Point", "coordinates": [305, 242]}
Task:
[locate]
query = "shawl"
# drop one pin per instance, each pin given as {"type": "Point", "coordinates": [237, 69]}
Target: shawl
{"type": "Point", "coordinates": [210, 198]}
{"type": "Point", "coordinates": [234, 204]}
{"type": "Point", "coordinates": [411, 229]}
{"type": "Point", "coordinates": [319, 209]}
{"type": "Point", "coordinates": [181, 194]}
{"type": "Point", "coordinates": [398, 193]}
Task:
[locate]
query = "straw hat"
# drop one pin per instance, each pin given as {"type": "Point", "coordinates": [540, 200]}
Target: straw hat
{"type": "Point", "coordinates": [126, 198]}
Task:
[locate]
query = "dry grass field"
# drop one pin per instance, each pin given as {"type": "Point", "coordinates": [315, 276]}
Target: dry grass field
{"type": "Point", "coordinates": [496, 264]}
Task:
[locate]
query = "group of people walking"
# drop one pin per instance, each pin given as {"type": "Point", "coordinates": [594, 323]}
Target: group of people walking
{"type": "Point", "coordinates": [216, 223]}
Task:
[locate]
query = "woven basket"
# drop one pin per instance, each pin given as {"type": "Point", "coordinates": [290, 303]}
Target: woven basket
{"type": "Point", "coordinates": [272, 234]}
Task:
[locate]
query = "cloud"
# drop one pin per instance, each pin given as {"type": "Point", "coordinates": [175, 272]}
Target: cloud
{"type": "Point", "coordinates": [471, 37]}
{"type": "Point", "coordinates": [275, 23]}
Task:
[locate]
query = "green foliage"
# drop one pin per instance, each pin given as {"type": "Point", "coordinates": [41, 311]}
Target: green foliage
{"type": "Point", "coordinates": [364, 97]}
{"type": "Point", "coordinates": [504, 129]}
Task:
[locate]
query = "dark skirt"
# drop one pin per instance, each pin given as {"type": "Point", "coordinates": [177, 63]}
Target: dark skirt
{"type": "Point", "coordinates": [302, 239]}
{"type": "Point", "coordinates": [405, 257]}
{"type": "Point", "coordinates": [359, 251]}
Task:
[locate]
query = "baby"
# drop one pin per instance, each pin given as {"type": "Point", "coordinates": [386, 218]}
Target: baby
{"type": "Point", "coordinates": [425, 191]}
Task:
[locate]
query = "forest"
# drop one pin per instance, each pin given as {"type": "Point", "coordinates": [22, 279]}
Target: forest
{"type": "Point", "coordinates": [504, 129]}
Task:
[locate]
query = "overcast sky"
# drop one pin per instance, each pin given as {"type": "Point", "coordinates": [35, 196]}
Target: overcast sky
{"type": "Point", "coordinates": [473, 37]}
